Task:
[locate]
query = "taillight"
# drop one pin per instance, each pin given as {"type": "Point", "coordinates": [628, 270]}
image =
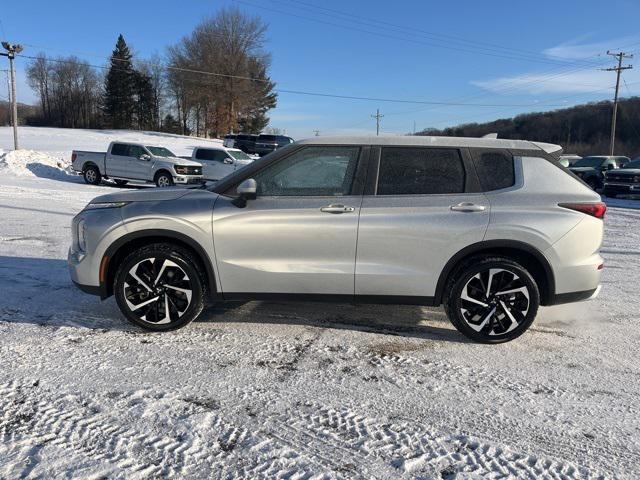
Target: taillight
{"type": "Point", "coordinates": [73, 157]}
{"type": "Point", "coordinates": [594, 209]}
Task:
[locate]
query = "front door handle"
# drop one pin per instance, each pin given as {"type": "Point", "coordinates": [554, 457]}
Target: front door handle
{"type": "Point", "coordinates": [468, 207]}
{"type": "Point", "coordinates": [337, 209]}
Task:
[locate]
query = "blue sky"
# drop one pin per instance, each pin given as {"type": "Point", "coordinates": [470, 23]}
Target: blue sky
{"type": "Point", "coordinates": [498, 58]}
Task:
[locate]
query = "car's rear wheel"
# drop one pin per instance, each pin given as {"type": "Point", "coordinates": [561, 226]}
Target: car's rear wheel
{"type": "Point", "coordinates": [163, 179]}
{"type": "Point", "coordinates": [160, 287]}
{"type": "Point", "coordinates": [492, 299]}
{"type": "Point", "coordinates": [92, 175]}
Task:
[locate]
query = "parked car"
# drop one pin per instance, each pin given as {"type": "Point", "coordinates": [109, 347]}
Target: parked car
{"type": "Point", "coordinates": [625, 180]}
{"type": "Point", "coordinates": [245, 142]}
{"type": "Point", "coordinates": [567, 160]}
{"type": "Point", "coordinates": [229, 140]}
{"type": "Point", "coordinates": [218, 162]}
{"type": "Point", "coordinates": [591, 169]}
{"type": "Point", "coordinates": [124, 162]}
{"type": "Point", "coordinates": [266, 144]}
{"type": "Point", "coordinates": [490, 228]}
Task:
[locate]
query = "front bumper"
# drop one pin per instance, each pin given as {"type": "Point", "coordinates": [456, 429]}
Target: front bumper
{"type": "Point", "coordinates": [189, 179]}
{"type": "Point", "coordinates": [621, 188]}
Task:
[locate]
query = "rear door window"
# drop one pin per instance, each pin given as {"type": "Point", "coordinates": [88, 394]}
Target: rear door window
{"type": "Point", "coordinates": [210, 154]}
{"type": "Point", "coordinates": [420, 171]}
{"type": "Point", "coordinates": [495, 169]}
{"type": "Point", "coordinates": [120, 149]}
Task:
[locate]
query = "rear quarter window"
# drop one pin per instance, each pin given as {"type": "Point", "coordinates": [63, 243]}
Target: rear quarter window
{"type": "Point", "coordinates": [495, 170]}
{"type": "Point", "coordinates": [120, 149]}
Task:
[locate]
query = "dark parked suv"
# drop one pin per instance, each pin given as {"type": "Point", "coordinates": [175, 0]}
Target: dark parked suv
{"type": "Point", "coordinates": [268, 143]}
{"type": "Point", "coordinates": [245, 142]}
{"type": "Point", "coordinates": [623, 181]}
{"type": "Point", "coordinates": [591, 169]}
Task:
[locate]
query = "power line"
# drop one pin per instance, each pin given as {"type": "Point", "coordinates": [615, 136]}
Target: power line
{"type": "Point", "coordinates": [301, 92]}
{"type": "Point", "coordinates": [411, 40]}
{"type": "Point", "coordinates": [370, 22]}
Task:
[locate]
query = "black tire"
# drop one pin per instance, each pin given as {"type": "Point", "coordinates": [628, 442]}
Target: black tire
{"type": "Point", "coordinates": [491, 318]}
{"type": "Point", "coordinates": [168, 282]}
{"type": "Point", "coordinates": [121, 183]}
{"type": "Point", "coordinates": [164, 179]}
{"type": "Point", "coordinates": [92, 175]}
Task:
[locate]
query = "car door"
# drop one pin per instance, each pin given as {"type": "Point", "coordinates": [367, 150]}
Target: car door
{"type": "Point", "coordinates": [299, 235]}
{"type": "Point", "coordinates": [416, 214]}
{"type": "Point", "coordinates": [118, 160]}
{"type": "Point", "coordinates": [139, 168]}
{"type": "Point", "coordinates": [216, 164]}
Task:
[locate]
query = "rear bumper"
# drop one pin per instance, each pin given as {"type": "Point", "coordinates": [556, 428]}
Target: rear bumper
{"type": "Point", "coordinates": [571, 297]}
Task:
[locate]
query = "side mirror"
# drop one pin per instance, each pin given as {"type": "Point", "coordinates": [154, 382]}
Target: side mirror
{"type": "Point", "coordinates": [247, 190]}
{"type": "Point", "coordinates": [144, 156]}
{"type": "Point", "coordinates": [611, 166]}
{"type": "Point", "coordinates": [228, 161]}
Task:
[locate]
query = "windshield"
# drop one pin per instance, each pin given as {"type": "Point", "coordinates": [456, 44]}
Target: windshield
{"type": "Point", "coordinates": [238, 155]}
{"type": "Point", "coordinates": [160, 151]}
{"type": "Point", "coordinates": [593, 162]}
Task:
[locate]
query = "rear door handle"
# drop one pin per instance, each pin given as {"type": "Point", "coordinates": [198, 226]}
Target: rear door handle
{"type": "Point", "coordinates": [337, 209]}
{"type": "Point", "coordinates": [468, 207]}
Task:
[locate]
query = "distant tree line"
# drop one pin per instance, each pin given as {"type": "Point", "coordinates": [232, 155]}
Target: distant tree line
{"type": "Point", "coordinates": [583, 129]}
{"type": "Point", "coordinates": [212, 82]}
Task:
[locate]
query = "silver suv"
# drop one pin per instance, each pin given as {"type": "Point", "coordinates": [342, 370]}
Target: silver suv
{"type": "Point", "coordinates": [490, 228]}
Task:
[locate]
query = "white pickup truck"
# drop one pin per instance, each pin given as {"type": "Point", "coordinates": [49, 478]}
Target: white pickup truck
{"type": "Point", "coordinates": [125, 162]}
{"type": "Point", "coordinates": [218, 162]}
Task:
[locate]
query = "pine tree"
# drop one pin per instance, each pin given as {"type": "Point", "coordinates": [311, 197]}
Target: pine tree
{"type": "Point", "coordinates": [145, 104]}
{"type": "Point", "coordinates": [119, 101]}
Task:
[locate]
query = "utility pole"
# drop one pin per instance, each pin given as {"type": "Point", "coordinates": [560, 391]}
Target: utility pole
{"type": "Point", "coordinates": [12, 49]}
{"type": "Point", "coordinates": [620, 56]}
{"type": "Point", "coordinates": [377, 116]}
{"type": "Point", "coordinates": [316, 133]}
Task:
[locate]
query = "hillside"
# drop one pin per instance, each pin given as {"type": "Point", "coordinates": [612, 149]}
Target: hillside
{"type": "Point", "coordinates": [583, 129]}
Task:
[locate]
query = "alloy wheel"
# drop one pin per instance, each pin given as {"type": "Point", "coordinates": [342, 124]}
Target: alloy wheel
{"type": "Point", "coordinates": [163, 181]}
{"type": "Point", "coordinates": [91, 175]}
{"type": "Point", "coordinates": [157, 291]}
{"type": "Point", "coordinates": [494, 301]}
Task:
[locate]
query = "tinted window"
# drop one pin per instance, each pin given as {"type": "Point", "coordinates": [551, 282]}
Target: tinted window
{"type": "Point", "coordinates": [593, 162]}
{"type": "Point", "coordinates": [210, 154]}
{"type": "Point", "coordinates": [267, 138]}
{"type": "Point", "coordinates": [136, 151]}
{"type": "Point", "coordinates": [495, 170]}
{"type": "Point", "coordinates": [416, 171]}
{"type": "Point", "coordinates": [161, 151]}
{"type": "Point", "coordinates": [313, 171]}
{"type": "Point", "coordinates": [120, 149]}
{"type": "Point", "coordinates": [633, 164]}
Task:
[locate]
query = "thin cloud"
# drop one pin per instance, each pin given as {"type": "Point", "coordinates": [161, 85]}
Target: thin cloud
{"type": "Point", "coordinates": [582, 81]}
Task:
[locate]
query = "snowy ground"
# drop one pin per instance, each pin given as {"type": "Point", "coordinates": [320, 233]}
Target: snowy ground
{"type": "Point", "coordinates": [302, 391]}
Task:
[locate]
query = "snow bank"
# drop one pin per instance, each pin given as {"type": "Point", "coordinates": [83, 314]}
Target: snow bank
{"type": "Point", "coordinates": [31, 163]}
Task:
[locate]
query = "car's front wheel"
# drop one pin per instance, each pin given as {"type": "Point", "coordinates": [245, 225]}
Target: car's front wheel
{"type": "Point", "coordinates": [163, 179]}
{"type": "Point", "coordinates": [492, 299]}
{"type": "Point", "coordinates": [160, 287]}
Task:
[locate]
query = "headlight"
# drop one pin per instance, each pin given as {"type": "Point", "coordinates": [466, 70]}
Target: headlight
{"type": "Point", "coordinates": [95, 206]}
{"type": "Point", "coordinates": [181, 170]}
{"type": "Point", "coordinates": [636, 179]}
{"type": "Point", "coordinates": [82, 236]}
